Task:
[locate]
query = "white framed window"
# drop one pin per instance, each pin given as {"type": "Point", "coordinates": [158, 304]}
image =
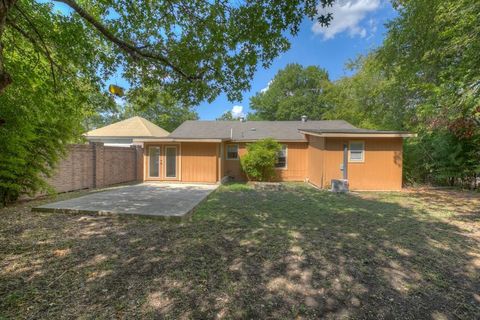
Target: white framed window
{"type": "Point", "coordinates": [232, 151]}
{"type": "Point", "coordinates": [356, 151]}
{"type": "Point", "coordinates": [281, 162]}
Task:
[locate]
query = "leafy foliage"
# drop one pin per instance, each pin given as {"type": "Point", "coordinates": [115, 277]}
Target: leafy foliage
{"type": "Point", "coordinates": [41, 117]}
{"type": "Point", "coordinates": [193, 49]}
{"type": "Point", "coordinates": [259, 161]}
{"type": "Point", "coordinates": [425, 78]}
{"type": "Point", "coordinates": [226, 116]}
{"type": "Point", "coordinates": [54, 60]}
{"type": "Point", "coordinates": [432, 50]}
{"type": "Point", "coordinates": [294, 91]}
{"type": "Point", "coordinates": [159, 107]}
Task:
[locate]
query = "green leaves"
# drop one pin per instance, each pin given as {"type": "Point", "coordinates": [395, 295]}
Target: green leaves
{"type": "Point", "coordinates": [193, 49]}
{"type": "Point", "coordinates": [259, 162]}
{"type": "Point", "coordinates": [295, 91]}
{"type": "Point", "coordinates": [158, 106]}
{"type": "Point", "coordinates": [41, 117]}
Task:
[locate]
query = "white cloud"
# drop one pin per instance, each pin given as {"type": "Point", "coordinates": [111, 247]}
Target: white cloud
{"type": "Point", "coordinates": [266, 88]}
{"type": "Point", "coordinates": [347, 17]}
{"type": "Point", "coordinates": [237, 111]}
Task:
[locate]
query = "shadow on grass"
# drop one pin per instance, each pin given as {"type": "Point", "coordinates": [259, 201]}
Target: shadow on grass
{"type": "Point", "coordinates": [245, 254]}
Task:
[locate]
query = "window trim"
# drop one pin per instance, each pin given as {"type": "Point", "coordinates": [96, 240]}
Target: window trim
{"type": "Point", "coordinates": [226, 151]}
{"type": "Point", "coordinates": [350, 151]}
{"type": "Point", "coordinates": [286, 159]}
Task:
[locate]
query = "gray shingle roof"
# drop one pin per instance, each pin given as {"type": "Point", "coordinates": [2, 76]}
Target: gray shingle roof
{"type": "Point", "coordinates": [253, 130]}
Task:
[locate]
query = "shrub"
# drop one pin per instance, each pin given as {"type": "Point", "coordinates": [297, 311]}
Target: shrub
{"type": "Point", "coordinates": [259, 161]}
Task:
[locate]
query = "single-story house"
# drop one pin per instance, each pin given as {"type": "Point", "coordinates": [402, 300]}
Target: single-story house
{"type": "Point", "coordinates": [122, 133]}
{"type": "Point", "coordinates": [313, 151]}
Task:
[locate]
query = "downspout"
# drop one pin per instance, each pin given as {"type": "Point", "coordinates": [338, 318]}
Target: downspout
{"type": "Point", "coordinates": [345, 162]}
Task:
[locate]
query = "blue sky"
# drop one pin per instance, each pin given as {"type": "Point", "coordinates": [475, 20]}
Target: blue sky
{"type": "Point", "coordinates": [357, 28]}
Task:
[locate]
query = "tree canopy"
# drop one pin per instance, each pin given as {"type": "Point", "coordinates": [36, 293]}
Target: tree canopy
{"type": "Point", "coordinates": [41, 116]}
{"type": "Point", "coordinates": [294, 91]}
{"type": "Point", "coordinates": [193, 49]}
{"type": "Point", "coordinates": [56, 56]}
{"type": "Point", "coordinates": [425, 78]}
{"type": "Point", "coordinates": [157, 106]}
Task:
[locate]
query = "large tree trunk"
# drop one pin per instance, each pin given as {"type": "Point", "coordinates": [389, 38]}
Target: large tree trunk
{"type": "Point", "coordinates": [5, 78]}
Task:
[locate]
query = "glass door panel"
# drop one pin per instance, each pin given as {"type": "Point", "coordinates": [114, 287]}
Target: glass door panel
{"type": "Point", "coordinates": [154, 162]}
{"type": "Point", "coordinates": [171, 162]}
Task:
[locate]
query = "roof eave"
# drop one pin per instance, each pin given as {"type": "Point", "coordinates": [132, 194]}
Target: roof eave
{"type": "Point", "coordinates": [359, 135]}
{"type": "Point", "coordinates": [178, 140]}
{"type": "Point", "coordinates": [279, 140]}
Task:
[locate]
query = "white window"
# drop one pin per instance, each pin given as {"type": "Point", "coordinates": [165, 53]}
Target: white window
{"type": "Point", "coordinates": [232, 151]}
{"type": "Point", "coordinates": [356, 151]}
{"type": "Point", "coordinates": [282, 158]}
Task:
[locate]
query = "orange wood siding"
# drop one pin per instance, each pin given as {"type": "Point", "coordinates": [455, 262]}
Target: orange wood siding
{"type": "Point", "coordinates": [233, 168]}
{"type": "Point", "coordinates": [296, 162]}
{"type": "Point", "coordinates": [199, 162]}
{"type": "Point", "coordinates": [381, 169]}
{"type": "Point", "coordinates": [315, 160]}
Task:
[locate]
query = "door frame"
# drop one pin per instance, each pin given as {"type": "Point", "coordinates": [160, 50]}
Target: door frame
{"type": "Point", "coordinates": [162, 163]}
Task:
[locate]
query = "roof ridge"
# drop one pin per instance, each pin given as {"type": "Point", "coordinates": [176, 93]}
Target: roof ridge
{"type": "Point", "coordinates": [143, 124]}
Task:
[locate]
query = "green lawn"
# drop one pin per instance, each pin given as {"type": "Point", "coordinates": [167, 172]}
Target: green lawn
{"type": "Point", "coordinates": [298, 253]}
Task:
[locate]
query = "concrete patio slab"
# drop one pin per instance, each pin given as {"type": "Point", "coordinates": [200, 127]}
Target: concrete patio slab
{"type": "Point", "coordinates": [150, 199]}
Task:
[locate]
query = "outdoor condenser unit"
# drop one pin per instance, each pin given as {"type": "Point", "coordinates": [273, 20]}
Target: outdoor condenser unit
{"type": "Point", "coordinates": [339, 185]}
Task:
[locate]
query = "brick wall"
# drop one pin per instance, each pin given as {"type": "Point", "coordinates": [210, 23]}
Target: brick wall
{"type": "Point", "coordinates": [95, 165]}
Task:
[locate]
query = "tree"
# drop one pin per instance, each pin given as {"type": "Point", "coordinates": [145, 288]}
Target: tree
{"type": "Point", "coordinates": [424, 78]}
{"type": "Point", "coordinates": [159, 107]}
{"type": "Point", "coordinates": [438, 62]}
{"type": "Point", "coordinates": [368, 98]}
{"type": "Point", "coordinates": [53, 63]}
{"type": "Point", "coordinates": [294, 91]}
{"type": "Point", "coordinates": [41, 117]}
{"type": "Point", "coordinates": [259, 161]}
{"type": "Point", "coordinates": [193, 49]}
{"type": "Point", "coordinates": [226, 116]}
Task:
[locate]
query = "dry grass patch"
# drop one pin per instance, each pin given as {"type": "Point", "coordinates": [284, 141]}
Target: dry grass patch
{"type": "Point", "coordinates": [295, 253]}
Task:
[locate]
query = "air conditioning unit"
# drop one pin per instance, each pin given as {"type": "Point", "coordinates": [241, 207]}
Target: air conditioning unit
{"type": "Point", "coordinates": [339, 185]}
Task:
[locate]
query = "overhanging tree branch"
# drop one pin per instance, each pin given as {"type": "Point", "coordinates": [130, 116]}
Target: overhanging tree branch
{"type": "Point", "coordinates": [46, 51]}
{"type": "Point", "coordinates": [43, 49]}
{"type": "Point", "coordinates": [134, 51]}
{"type": "Point", "coordinates": [5, 78]}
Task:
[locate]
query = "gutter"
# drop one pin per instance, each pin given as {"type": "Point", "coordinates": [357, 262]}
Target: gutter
{"type": "Point", "coordinates": [359, 135]}
{"type": "Point", "coordinates": [178, 140]}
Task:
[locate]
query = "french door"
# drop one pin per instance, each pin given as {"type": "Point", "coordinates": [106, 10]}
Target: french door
{"type": "Point", "coordinates": [170, 162]}
{"type": "Point", "coordinates": [162, 162]}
